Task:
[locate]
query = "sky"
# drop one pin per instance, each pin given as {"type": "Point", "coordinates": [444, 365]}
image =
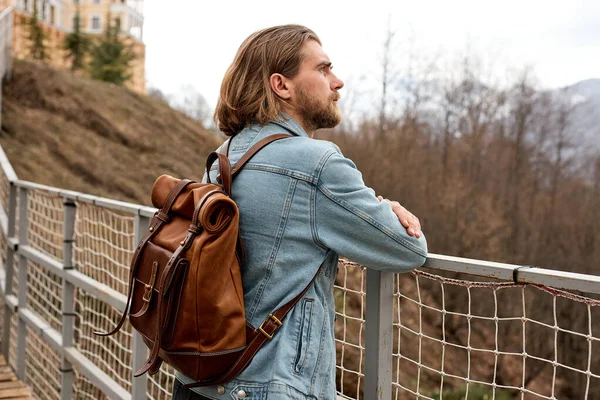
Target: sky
{"type": "Point", "coordinates": [192, 42]}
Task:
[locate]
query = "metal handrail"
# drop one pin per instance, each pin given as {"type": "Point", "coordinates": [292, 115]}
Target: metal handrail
{"type": "Point", "coordinates": [488, 269]}
{"type": "Point", "coordinates": [379, 291]}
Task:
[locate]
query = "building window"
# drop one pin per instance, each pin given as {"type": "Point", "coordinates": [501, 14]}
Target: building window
{"type": "Point", "coordinates": [52, 21]}
{"type": "Point", "coordinates": [96, 23]}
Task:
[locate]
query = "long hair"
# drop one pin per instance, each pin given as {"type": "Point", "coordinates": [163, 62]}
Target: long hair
{"type": "Point", "coordinates": [246, 96]}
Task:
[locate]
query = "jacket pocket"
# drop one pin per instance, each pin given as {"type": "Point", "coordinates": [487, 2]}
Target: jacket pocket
{"type": "Point", "coordinates": [304, 335]}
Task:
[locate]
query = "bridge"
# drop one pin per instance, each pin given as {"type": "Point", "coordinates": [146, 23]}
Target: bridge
{"type": "Point", "coordinates": [458, 328]}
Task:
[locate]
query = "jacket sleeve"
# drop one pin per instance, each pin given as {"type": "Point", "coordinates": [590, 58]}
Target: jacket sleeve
{"type": "Point", "coordinates": [350, 220]}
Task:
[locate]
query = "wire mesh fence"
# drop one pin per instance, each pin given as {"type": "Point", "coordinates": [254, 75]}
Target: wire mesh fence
{"type": "Point", "coordinates": [113, 353]}
{"type": "Point", "coordinates": [453, 337]}
{"type": "Point", "coordinates": [460, 338]}
{"type": "Point", "coordinates": [349, 294]}
{"type": "Point", "coordinates": [159, 385]}
{"type": "Point", "coordinates": [44, 294]}
{"type": "Point", "coordinates": [45, 223]}
{"type": "Point", "coordinates": [84, 389]}
{"type": "Point", "coordinates": [12, 345]}
{"type": "Point", "coordinates": [104, 245]}
{"type": "Point", "coordinates": [42, 364]}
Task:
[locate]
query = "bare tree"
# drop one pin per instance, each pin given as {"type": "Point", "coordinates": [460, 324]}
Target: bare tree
{"type": "Point", "coordinates": [523, 97]}
{"type": "Point", "coordinates": [388, 77]}
{"type": "Point", "coordinates": [193, 104]}
{"type": "Point", "coordinates": [158, 94]}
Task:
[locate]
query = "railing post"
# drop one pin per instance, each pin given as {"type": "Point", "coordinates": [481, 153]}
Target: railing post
{"type": "Point", "coordinates": [379, 334]}
{"type": "Point", "coordinates": [139, 386]}
{"type": "Point", "coordinates": [9, 269]}
{"type": "Point", "coordinates": [68, 301]}
{"type": "Point", "coordinates": [22, 332]}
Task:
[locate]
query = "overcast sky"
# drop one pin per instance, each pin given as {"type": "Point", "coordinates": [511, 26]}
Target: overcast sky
{"type": "Point", "coordinates": [193, 42]}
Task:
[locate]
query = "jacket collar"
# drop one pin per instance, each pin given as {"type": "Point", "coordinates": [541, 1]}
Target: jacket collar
{"type": "Point", "coordinates": [291, 125]}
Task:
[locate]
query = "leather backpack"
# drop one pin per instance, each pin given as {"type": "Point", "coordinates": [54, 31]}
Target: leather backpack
{"type": "Point", "coordinates": [185, 286]}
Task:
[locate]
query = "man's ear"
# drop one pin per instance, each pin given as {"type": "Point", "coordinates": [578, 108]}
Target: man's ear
{"type": "Point", "coordinates": [281, 86]}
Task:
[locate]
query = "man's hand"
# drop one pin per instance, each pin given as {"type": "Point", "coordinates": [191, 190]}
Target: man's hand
{"type": "Point", "coordinates": [406, 218]}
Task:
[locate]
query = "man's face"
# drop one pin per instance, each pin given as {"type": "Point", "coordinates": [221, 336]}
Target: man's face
{"type": "Point", "coordinates": [315, 93]}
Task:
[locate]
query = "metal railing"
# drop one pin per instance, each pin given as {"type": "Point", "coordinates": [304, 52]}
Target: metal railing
{"type": "Point", "coordinates": [6, 27]}
{"type": "Point", "coordinates": [65, 264]}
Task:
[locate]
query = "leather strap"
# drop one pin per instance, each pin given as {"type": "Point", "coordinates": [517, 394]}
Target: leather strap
{"type": "Point", "coordinates": [224, 171]}
{"type": "Point", "coordinates": [255, 149]}
{"type": "Point", "coordinates": [240, 250]}
{"type": "Point", "coordinates": [155, 225]}
{"type": "Point", "coordinates": [200, 204]}
{"type": "Point", "coordinates": [258, 338]}
{"type": "Point", "coordinates": [245, 158]}
{"type": "Point", "coordinates": [173, 194]}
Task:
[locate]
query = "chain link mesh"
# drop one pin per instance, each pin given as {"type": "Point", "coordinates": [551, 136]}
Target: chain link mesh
{"type": "Point", "coordinates": [500, 340]}
{"type": "Point", "coordinates": [4, 189]}
{"type": "Point", "coordinates": [44, 294]}
{"type": "Point", "coordinates": [160, 385]}
{"type": "Point", "coordinates": [84, 389]}
{"type": "Point", "coordinates": [12, 345]}
{"type": "Point", "coordinates": [42, 363]}
{"type": "Point", "coordinates": [45, 223]}
{"type": "Point", "coordinates": [104, 245]}
{"type": "Point", "coordinates": [112, 354]}
{"type": "Point", "coordinates": [349, 294]}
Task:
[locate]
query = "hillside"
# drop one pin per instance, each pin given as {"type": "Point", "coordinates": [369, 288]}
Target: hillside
{"type": "Point", "coordinates": [64, 130]}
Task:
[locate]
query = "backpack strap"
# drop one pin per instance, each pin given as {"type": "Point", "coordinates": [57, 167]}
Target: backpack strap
{"type": "Point", "coordinates": [253, 150]}
{"type": "Point", "coordinates": [224, 171]}
{"type": "Point", "coordinates": [226, 174]}
{"type": "Point", "coordinates": [258, 337]}
{"type": "Point", "coordinates": [161, 217]}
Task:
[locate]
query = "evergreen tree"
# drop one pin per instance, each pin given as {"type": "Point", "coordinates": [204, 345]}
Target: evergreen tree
{"type": "Point", "coordinates": [37, 36]}
{"type": "Point", "coordinates": [111, 57]}
{"type": "Point", "coordinates": [76, 43]}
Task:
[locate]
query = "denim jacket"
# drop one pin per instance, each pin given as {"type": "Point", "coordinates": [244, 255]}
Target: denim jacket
{"type": "Point", "coordinates": [301, 205]}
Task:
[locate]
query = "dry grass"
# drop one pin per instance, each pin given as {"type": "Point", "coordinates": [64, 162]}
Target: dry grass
{"type": "Point", "coordinates": [64, 130]}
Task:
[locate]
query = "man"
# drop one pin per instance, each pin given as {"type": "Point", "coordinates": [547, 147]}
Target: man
{"type": "Point", "coordinates": [301, 204]}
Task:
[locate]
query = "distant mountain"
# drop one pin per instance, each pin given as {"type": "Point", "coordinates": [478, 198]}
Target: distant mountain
{"type": "Point", "coordinates": [585, 120]}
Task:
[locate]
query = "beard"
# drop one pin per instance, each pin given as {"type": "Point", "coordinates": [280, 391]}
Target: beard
{"type": "Point", "coordinates": [315, 113]}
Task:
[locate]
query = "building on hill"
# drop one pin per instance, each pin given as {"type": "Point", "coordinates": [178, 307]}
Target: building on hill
{"type": "Point", "coordinates": [57, 18]}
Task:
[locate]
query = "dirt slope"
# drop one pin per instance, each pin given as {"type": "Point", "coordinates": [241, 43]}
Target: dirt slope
{"type": "Point", "coordinates": [63, 130]}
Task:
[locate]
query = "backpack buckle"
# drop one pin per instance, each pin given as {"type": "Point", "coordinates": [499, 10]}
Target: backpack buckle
{"type": "Point", "coordinates": [149, 287]}
{"type": "Point", "coordinates": [147, 293]}
{"type": "Point", "coordinates": [277, 322]}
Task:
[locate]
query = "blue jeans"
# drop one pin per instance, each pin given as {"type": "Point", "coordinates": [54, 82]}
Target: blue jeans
{"type": "Point", "coordinates": [181, 393]}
